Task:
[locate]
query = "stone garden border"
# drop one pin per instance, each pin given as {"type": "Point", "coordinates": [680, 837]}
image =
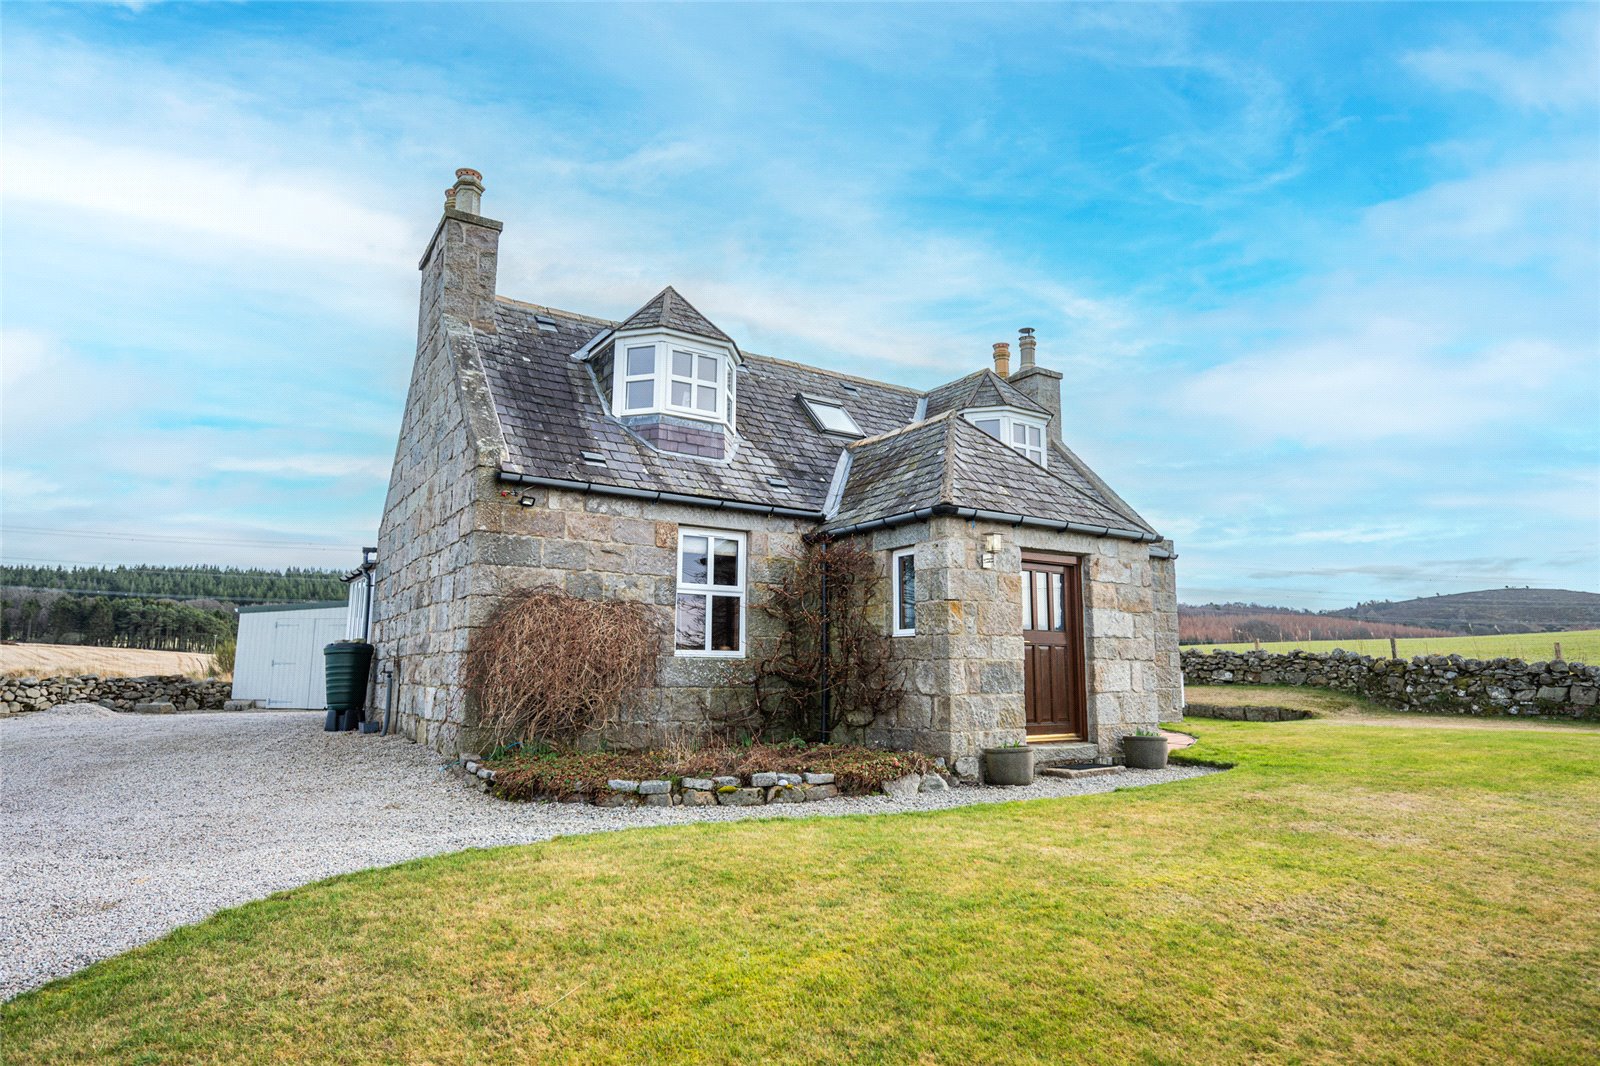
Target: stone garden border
{"type": "Point", "coordinates": [726, 791]}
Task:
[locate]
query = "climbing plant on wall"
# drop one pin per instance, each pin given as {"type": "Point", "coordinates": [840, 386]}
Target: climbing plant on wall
{"type": "Point", "coordinates": [832, 657]}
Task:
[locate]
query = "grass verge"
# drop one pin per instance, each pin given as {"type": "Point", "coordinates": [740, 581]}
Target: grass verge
{"type": "Point", "coordinates": [1344, 894]}
{"type": "Point", "coordinates": [1577, 645]}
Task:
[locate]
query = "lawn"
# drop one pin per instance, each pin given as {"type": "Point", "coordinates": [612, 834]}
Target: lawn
{"type": "Point", "coordinates": [1345, 893]}
{"type": "Point", "coordinates": [1579, 645]}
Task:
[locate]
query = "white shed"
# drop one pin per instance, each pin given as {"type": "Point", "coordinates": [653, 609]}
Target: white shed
{"type": "Point", "coordinates": [279, 657]}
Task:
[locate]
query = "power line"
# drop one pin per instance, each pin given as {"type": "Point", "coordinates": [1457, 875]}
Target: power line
{"type": "Point", "coordinates": [150, 568]}
{"type": "Point", "coordinates": [106, 534]}
{"type": "Point", "coordinates": [154, 595]}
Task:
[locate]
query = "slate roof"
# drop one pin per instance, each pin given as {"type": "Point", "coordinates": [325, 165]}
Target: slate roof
{"type": "Point", "coordinates": [947, 460]}
{"type": "Point", "coordinates": [550, 413]}
{"type": "Point", "coordinates": [669, 308]}
{"type": "Point", "coordinates": [984, 388]}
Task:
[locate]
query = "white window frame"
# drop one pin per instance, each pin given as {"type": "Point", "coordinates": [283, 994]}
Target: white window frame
{"type": "Point", "coordinates": [706, 589]}
{"type": "Point", "coordinates": [894, 592]}
{"type": "Point", "coordinates": [665, 345]}
{"type": "Point", "coordinates": [620, 358]}
{"type": "Point", "coordinates": [1010, 419]}
{"type": "Point", "coordinates": [695, 381]}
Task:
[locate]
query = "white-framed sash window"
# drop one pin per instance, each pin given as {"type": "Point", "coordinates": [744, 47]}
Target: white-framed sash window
{"type": "Point", "coordinates": [637, 367]}
{"type": "Point", "coordinates": [710, 605]}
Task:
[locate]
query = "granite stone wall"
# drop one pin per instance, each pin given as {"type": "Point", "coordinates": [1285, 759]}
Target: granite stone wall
{"type": "Point", "coordinates": [1443, 684]}
{"type": "Point", "coordinates": [604, 547]}
{"type": "Point", "coordinates": [448, 449]}
{"type": "Point", "coordinates": [964, 666]}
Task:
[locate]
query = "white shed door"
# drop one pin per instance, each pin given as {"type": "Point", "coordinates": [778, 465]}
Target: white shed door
{"type": "Point", "coordinates": [287, 687]}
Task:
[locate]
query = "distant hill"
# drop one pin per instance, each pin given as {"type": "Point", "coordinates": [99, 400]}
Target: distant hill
{"type": "Point", "coordinates": [1232, 623]}
{"type": "Point", "coordinates": [1489, 611]}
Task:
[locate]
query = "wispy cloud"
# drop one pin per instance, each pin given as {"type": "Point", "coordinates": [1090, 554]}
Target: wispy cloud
{"type": "Point", "coordinates": [1563, 74]}
{"type": "Point", "coordinates": [1327, 322]}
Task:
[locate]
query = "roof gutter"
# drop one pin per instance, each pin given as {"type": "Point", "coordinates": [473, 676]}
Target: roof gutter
{"type": "Point", "coordinates": [942, 509]}
{"type": "Point", "coordinates": [717, 503]}
{"type": "Point", "coordinates": [720, 503]}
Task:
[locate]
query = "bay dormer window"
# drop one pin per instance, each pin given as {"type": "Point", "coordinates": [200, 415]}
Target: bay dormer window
{"type": "Point", "coordinates": [665, 374]}
{"type": "Point", "coordinates": [1021, 432]}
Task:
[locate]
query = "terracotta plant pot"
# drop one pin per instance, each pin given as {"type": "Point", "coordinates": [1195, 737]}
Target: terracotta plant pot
{"type": "Point", "coordinates": [1008, 766]}
{"type": "Point", "coordinates": [1145, 753]}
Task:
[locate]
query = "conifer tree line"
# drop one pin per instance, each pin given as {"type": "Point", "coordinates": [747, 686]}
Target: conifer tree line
{"type": "Point", "coordinates": [169, 608]}
{"type": "Point", "coordinates": [43, 616]}
{"type": "Point", "coordinates": [227, 583]}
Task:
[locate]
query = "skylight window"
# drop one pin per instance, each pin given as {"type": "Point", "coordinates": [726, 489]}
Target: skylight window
{"type": "Point", "coordinates": [831, 417]}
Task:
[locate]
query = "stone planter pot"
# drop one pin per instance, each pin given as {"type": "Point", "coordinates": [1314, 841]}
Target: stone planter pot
{"type": "Point", "coordinates": [1145, 753]}
{"type": "Point", "coordinates": [1008, 766]}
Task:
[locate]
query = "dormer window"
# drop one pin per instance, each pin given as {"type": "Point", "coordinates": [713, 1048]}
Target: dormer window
{"type": "Point", "coordinates": [1024, 433]}
{"type": "Point", "coordinates": [830, 416]}
{"type": "Point", "coordinates": [663, 374]}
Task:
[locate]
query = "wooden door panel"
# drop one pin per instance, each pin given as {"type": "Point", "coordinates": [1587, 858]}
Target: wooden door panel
{"type": "Point", "coordinates": [1054, 692]}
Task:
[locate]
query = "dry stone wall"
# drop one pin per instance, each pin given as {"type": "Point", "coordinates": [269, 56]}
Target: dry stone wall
{"type": "Point", "coordinates": [1443, 684]}
{"type": "Point", "coordinates": [20, 694]}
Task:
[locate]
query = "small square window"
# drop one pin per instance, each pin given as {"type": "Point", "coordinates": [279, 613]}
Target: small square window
{"type": "Point", "coordinates": [831, 417]}
{"type": "Point", "coordinates": [641, 361]}
{"type": "Point", "coordinates": [641, 394]}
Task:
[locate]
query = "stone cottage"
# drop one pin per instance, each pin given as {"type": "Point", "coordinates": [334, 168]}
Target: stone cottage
{"type": "Point", "coordinates": [655, 460]}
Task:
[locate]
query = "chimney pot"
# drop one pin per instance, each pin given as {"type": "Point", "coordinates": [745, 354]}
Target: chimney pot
{"type": "Point", "coordinates": [1002, 359]}
{"type": "Point", "coordinates": [468, 191]}
{"type": "Point", "coordinates": [450, 198]}
{"type": "Point", "coordinates": [1026, 345]}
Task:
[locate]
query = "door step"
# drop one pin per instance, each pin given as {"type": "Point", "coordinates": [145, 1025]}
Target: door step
{"type": "Point", "coordinates": [1064, 753]}
{"type": "Point", "coordinates": [1081, 770]}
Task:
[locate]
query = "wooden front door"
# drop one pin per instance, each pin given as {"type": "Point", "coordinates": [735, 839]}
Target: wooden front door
{"type": "Point", "coordinates": [1052, 641]}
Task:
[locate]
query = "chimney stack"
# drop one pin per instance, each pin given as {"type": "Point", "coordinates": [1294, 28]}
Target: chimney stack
{"type": "Point", "coordinates": [1041, 385]}
{"type": "Point", "coordinates": [467, 193]}
{"type": "Point", "coordinates": [1026, 345]}
{"type": "Point", "coordinates": [1002, 359]}
{"type": "Point", "coordinates": [460, 264]}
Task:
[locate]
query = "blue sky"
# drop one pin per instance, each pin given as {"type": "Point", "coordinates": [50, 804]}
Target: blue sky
{"type": "Point", "coordinates": [1324, 281]}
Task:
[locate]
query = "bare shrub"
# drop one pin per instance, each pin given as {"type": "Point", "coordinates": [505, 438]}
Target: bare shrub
{"type": "Point", "coordinates": [549, 667]}
{"type": "Point", "coordinates": [831, 646]}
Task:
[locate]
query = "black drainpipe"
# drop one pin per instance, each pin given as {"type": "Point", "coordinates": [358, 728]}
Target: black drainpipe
{"type": "Point", "coordinates": [827, 691]}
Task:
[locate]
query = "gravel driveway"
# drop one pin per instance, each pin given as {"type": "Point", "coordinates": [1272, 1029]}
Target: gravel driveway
{"type": "Point", "coordinates": [117, 829]}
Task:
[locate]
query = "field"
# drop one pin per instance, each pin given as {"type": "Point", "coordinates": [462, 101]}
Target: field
{"type": "Point", "coordinates": [56, 660]}
{"type": "Point", "coordinates": [1582, 646]}
{"type": "Point", "coordinates": [1350, 891]}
